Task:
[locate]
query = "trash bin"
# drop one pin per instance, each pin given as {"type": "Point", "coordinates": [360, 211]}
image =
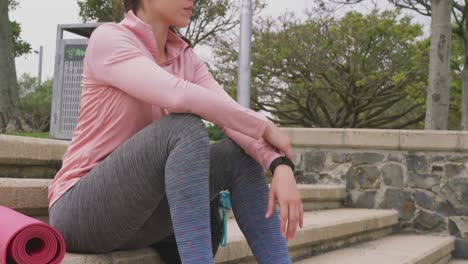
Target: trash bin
{"type": "Point", "coordinates": [68, 71]}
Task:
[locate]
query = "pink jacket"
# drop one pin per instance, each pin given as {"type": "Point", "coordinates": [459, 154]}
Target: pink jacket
{"type": "Point", "coordinates": [124, 90]}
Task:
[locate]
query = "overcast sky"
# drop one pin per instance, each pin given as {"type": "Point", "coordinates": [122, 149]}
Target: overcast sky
{"type": "Point", "coordinates": [39, 21]}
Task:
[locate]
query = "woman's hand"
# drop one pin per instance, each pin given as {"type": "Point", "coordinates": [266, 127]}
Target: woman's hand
{"type": "Point", "coordinates": [278, 139]}
{"type": "Point", "coordinates": [284, 188]}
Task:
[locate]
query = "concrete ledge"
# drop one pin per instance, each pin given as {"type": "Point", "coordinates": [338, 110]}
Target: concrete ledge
{"type": "Point", "coordinates": [318, 197]}
{"type": "Point", "coordinates": [444, 260]}
{"type": "Point", "coordinates": [322, 205]}
{"type": "Point", "coordinates": [322, 192]}
{"type": "Point", "coordinates": [31, 151]}
{"type": "Point", "coordinates": [29, 196]}
{"type": "Point", "coordinates": [319, 227]}
{"type": "Point", "coordinates": [396, 249]}
{"type": "Point", "coordinates": [142, 256]}
{"type": "Point", "coordinates": [45, 171]}
{"type": "Point", "coordinates": [396, 139]}
{"type": "Point", "coordinates": [327, 246]}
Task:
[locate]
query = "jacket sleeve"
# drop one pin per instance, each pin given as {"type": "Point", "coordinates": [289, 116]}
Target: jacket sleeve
{"type": "Point", "coordinates": [263, 152]}
{"type": "Point", "coordinates": [116, 60]}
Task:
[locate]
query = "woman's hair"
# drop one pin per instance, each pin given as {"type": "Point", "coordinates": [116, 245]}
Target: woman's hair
{"type": "Point", "coordinates": [134, 5]}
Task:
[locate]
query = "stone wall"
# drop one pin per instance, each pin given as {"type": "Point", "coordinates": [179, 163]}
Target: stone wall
{"type": "Point", "coordinates": [425, 179]}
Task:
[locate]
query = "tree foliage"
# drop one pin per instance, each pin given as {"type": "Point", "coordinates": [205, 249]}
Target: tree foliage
{"type": "Point", "coordinates": [460, 30]}
{"type": "Point", "coordinates": [210, 18]}
{"type": "Point", "coordinates": [457, 65]}
{"type": "Point", "coordinates": [360, 71]}
{"type": "Point", "coordinates": [101, 10]}
{"type": "Point", "coordinates": [422, 7]}
{"type": "Point", "coordinates": [35, 102]}
{"type": "Point", "coordinates": [21, 47]}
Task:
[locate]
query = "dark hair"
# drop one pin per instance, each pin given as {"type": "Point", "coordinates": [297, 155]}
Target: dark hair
{"type": "Point", "coordinates": [134, 5]}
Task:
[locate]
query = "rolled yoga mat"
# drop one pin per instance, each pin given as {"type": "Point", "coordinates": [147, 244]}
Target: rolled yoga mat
{"type": "Point", "coordinates": [26, 240]}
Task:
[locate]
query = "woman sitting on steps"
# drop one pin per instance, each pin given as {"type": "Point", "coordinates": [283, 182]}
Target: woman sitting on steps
{"type": "Point", "coordinates": [140, 167]}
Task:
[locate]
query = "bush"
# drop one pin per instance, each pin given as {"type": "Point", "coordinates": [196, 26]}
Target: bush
{"type": "Point", "coordinates": [215, 133]}
{"type": "Point", "coordinates": [35, 102]}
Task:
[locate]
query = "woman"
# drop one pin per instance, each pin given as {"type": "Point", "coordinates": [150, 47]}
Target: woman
{"type": "Point", "coordinates": [140, 167]}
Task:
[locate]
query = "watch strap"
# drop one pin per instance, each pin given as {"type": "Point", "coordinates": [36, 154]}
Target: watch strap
{"type": "Point", "coordinates": [278, 161]}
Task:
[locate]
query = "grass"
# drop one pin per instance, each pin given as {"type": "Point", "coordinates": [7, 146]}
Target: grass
{"type": "Point", "coordinates": [26, 134]}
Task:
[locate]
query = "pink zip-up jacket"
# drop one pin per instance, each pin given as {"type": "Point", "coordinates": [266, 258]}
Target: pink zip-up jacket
{"type": "Point", "coordinates": [125, 90]}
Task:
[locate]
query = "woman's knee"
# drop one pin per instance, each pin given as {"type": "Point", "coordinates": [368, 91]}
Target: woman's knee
{"type": "Point", "coordinates": [242, 158]}
{"type": "Point", "coordinates": [185, 118]}
{"type": "Point", "coordinates": [177, 127]}
{"type": "Point", "coordinates": [187, 123]}
{"type": "Point", "coordinates": [233, 149]}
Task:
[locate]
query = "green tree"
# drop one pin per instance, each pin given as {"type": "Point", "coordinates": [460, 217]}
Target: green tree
{"type": "Point", "coordinates": [215, 133]}
{"type": "Point", "coordinates": [210, 18]}
{"type": "Point", "coordinates": [101, 10]}
{"type": "Point", "coordinates": [10, 118]}
{"type": "Point", "coordinates": [457, 66]}
{"type": "Point", "coordinates": [460, 28]}
{"type": "Point", "coordinates": [21, 47]}
{"type": "Point", "coordinates": [35, 102]}
{"type": "Point", "coordinates": [358, 71]}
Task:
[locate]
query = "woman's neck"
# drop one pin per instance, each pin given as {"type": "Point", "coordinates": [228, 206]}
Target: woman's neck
{"type": "Point", "coordinates": [160, 30]}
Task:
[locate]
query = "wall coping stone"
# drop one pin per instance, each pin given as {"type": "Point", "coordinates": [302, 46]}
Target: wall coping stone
{"type": "Point", "coordinates": [42, 149]}
{"type": "Point", "coordinates": [389, 139]}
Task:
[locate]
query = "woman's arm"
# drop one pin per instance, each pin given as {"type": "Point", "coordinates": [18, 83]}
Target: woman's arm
{"type": "Point", "coordinates": [283, 187]}
{"type": "Point", "coordinates": [263, 152]}
{"type": "Point", "coordinates": [115, 59]}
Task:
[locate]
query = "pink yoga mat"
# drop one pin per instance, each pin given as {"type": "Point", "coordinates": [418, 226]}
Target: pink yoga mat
{"type": "Point", "coordinates": [26, 240]}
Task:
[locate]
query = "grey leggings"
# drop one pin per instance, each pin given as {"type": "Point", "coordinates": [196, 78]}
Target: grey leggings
{"type": "Point", "coordinates": [156, 184]}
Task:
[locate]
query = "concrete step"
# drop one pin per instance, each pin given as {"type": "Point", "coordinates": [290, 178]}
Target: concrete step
{"type": "Point", "coordinates": [319, 197]}
{"type": "Point", "coordinates": [395, 249]}
{"type": "Point", "coordinates": [458, 261]}
{"type": "Point", "coordinates": [27, 157]}
{"type": "Point", "coordinates": [29, 196]}
{"type": "Point", "coordinates": [322, 230]}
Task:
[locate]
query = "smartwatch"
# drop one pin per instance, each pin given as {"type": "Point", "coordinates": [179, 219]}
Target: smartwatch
{"type": "Point", "coordinates": [280, 160]}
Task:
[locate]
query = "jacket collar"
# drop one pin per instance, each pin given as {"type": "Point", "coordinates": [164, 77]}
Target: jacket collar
{"type": "Point", "coordinates": [175, 44]}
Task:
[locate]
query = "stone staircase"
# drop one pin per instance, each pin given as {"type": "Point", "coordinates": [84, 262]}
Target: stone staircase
{"type": "Point", "coordinates": [331, 232]}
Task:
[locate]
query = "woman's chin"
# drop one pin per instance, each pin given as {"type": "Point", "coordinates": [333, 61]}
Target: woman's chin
{"type": "Point", "coordinates": [181, 24]}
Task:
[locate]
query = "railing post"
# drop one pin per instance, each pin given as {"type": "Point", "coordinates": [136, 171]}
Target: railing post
{"type": "Point", "coordinates": [243, 83]}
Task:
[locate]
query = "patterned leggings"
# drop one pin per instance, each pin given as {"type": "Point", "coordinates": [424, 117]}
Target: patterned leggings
{"type": "Point", "coordinates": [156, 184]}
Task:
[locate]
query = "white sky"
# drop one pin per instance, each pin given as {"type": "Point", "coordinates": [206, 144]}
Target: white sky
{"type": "Point", "coordinates": [39, 21]}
